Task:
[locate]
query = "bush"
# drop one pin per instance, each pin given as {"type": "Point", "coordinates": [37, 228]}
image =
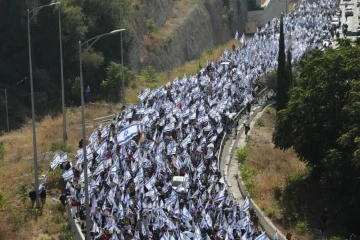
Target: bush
{"type": "Point", "coordinates": [60, 146]}
{"type": "Point", "coordinates": [2, 150]}
{"type": "Point", "coordinates": [241, 154]}
{"type": "Point", "coordinates": [260, 122]}
{"type": "Point", "coordinates": [3, 201]}
{"type": "Point", "coordinates": [270, 211]}
{"type": "Point", "coordinates": [302, 227]}
{"type": "Point", "coordinates": [151, 26]}
{"type": "Point", "coordinates": [247, 172]}
{"type": "Point", "coordinates": [149, 73]}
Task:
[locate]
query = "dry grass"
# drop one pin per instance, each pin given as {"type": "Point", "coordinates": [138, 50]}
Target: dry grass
{"type": "Point", "coordinates": [274, 168]}
{"type": "Point", "coordinates": [17, 168]}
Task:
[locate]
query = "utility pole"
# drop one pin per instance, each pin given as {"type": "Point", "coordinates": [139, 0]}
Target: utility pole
{"type": "Point", "coordinates": [122, 60]}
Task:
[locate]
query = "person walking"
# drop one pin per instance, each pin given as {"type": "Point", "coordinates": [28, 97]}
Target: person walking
{"type": "Point", "coordinates": [42, 195]}
{"type": "Point", "coordinates": [32, 196]}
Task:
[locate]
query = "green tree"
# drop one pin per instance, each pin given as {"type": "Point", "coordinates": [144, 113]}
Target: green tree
{"type": "Point", "coordinates": [321, 122]}
{"type": "Point", "coordinates": [149, 74]}
{"type": "Point", "coordinates": [289, 74]}
{"type": "Point", "coordinates": [281, 71]}
{"type": "Point", "coordinates": [151, 26]}
{"type": "Point", "coordinates": [111, 86]}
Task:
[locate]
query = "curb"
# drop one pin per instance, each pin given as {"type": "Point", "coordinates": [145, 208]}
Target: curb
{"type": "Point", "coordinates": [264, 221]}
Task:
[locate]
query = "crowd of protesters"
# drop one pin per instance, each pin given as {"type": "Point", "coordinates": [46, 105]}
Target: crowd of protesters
{"type": "Point", "coordinates": [179, 127]}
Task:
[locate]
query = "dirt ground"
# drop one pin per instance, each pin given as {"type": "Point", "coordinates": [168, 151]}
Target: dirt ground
{"type": "Point", "coordinates": [282, 189]}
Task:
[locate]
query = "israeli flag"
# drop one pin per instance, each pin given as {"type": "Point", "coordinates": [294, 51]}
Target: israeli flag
{"type": "Point", "coordinates": [55, 162]}
{"type": "Point", "coordinates": [220, 196]}
{"type": "Point", "coordinates": [276, 236]}
{"type": "Point", "coordinates": [186, 215]}
{"type": "Point", "coordinates": [209, 154]}
{"type": "Point", "coordinates": [171, 148]}
{"type": "Point", "coordinates": [127, 133]}
{"type": "Point", "coordinates": [246, 205]}
{"type": "Point", "coordinates": [261, 236]}
{"type": "Point", "coordinates": [144, 94]}
{"type": "Point", "coordinates": [68, 174]}
{"type": "Point", "coordinates": [208, 221]}
{"type": "Point", "coordinates": [150, 183]}
{"type": "Point", "coordinates": [63, 158]}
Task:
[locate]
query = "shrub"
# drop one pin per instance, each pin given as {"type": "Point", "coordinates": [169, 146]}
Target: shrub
{"type": "Point", "coordinates": [2, 150]}
{"type": "Point", "coordinates": [151, 26]}
{"type": "Point", "coordinates": [270, 211]}
{"type": "Point", "coordinates": [3, 201]}
{"type": "Point", "coordinates": [260, 122]}
{"type": "Point", "coordinates": [302, 227]}
{"type": "Point", "coordinates": [241, 154]}
{"type": "Point", "coordinates": [247, 172]}
{"type": "Point", "coordinates": [60, 146]}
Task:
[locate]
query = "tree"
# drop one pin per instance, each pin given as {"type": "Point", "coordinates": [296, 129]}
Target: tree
{"type": "Point", "coordinates": [281, 71]}
{"type": "Point", "coordinates": [111, 87]}
{"type": "Point", "coordinates": [289, 75]}
{"type": "Point", "coordinates": [318, 113]}
{"type": "Point", "coordinates": [321, 122]}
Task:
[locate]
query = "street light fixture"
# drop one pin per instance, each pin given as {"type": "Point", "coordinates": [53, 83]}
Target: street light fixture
{"type": "Point", "coordinates": [32, 100]}
{"type": "Point", "coordinates": [85, 168]}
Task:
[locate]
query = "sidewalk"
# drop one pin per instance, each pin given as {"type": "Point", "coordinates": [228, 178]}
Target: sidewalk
{"type": "Point", "coordinates": [229, 166]}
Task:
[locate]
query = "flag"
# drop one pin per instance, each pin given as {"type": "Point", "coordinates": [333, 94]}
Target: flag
{"type": "Point", "coordinates": [243, 39]}
{"type": "Point", "coordinates": [55, 162]}
{"type": "Point", "coordinates": [150, 183]}
{"type": "Point", "coordinates": [68, 174]}
{"type": "Point", "coordinates": [276, 236]}
{"type": "Point", "coordinates": [208, 221]}
{"type": "Point", "coordinates": [245, 206]}
{"type": "Point", "coordinates": [236, 35]}
{"type": "Point", "coordinates": [144, 94]}
{"type": "Point", "coordinates": [220, 196]}
{"type": "Point", "coordinates": [261, 236]}
{"type": "Point", "coordinates": [127, 133]}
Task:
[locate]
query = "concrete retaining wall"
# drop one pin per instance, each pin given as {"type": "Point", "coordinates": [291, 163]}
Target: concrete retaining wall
{"type": "Point", "coordinates": [272, 10]}
{"type": "Point", "coordinates": [264, 221]}
{"type": "Point", "coordinates": [75, 228]}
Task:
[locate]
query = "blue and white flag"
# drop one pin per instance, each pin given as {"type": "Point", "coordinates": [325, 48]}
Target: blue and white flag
{"type": "Point", "coordinates": [261, 236]}
{"type": "Point", "coordinates": [208, 221]}
{"type": "Point", "coordinates": [245, 206]}
{"type": "Point", "coordinates": [149, 184]}
{"type": "Point", "coordinates": [220, 196]}
{"type": "Point", "coordinates": [144, 94]}
{"type": "Point", "coordinates": [127, 133]}
{"type": "Point", "coordinates": [276, 236]}
{"type": "Point", "coordinates": [55, 162]}
{"type": "Point", "coordinates": [68, 174]}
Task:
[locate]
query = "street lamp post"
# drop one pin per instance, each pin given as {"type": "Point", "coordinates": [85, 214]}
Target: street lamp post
{"type": "Point", "coordinates": [91, 41]}
{"type": "Point", "coordinates": [32, 102]}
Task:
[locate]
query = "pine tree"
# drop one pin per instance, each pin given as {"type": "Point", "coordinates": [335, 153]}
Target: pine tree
{"type": "Point", "coordinates": [281, 71]}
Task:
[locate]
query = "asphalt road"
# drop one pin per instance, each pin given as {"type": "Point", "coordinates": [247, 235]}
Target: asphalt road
{"type": "Point", "coordinates": [353, 21]}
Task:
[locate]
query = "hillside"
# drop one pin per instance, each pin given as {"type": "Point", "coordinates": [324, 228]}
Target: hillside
{"type": "Point", "coordinates": [160, 33]}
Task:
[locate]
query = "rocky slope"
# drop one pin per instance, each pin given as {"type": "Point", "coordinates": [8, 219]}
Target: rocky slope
{"type": "Point", "coordinates": [185, 29]}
